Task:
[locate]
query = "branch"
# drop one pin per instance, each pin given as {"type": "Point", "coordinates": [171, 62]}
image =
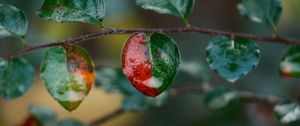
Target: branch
{"type": "Point", "coordinates": [199, 89]}
{"type": "Point", "coordinates": [243, 95]}
{"type": "Point", "coordinates": [106, 118]}
{"type": "Point", "coordinates": [108, 31]}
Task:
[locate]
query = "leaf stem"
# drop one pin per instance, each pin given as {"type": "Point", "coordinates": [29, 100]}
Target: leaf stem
{"type": "Point", "coordinates": [101, 26]}
{"type": "Point", "coordinates": [186, 22]}
{"type": "Point", "coordinates": [274, 28]}
{"type": "Point", "coordinates": [23, 40]}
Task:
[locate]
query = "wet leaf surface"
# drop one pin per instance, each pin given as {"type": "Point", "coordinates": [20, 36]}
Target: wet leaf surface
{"type": "Point", "coordinates": [232, 59]}
{"type": "Point", "coordinates": [16, 77]}
{"type": "Point", "coordinates": [287, 112]}
{"type": "Point", "coordinates": [88, 11]}
{"type": "Point", "coordinates": [45, 116]}
{"type": "Point", "coordinates": [290, 63]}
{"type": "Point", "coordinates": [179, 8]}
{"type": "Point", "coordinates": [261, 11]}
{"type": "Point", "coordinates": [68, 74]}
{"type": "Point", "coordinates": [13, 21]}
{"type": "Point", "coordinates": [150, 62]}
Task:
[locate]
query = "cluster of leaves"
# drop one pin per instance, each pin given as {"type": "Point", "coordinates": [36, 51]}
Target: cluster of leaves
{"type": "Point", "coordinates": [231, 58]}
{"type": "Point", "coordinates": [112, 80]}
{"type": "Point", "coordinates": [45, 116]}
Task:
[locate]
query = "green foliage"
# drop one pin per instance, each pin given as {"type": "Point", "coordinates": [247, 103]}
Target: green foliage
{"type": "Point", "coordinates": [16, 76]}
{"type": "Point", "coordinates": [261, 11]}
{"type": "Point", "coordinates": [13, 21]}
{"type": "Point", "coordinates": [70, 122]}
{"type": "Point", "coordinates": [164, 58]}
{"type": "Point", "coordinates": [140, 103]}
{"type": "Point", "coordinates": [232, 59]}
{"type": "Point", "coordinates": [179, 8]}
{"type": "Point", "coordinates": [132, 99]}
{"type": "Point", "coordinates": [68, 74]}
{"type": "Point", "coordinates": [45, 116]}
{"type": "Point", "coordinates": [220, 97]}
{"type": "Point", "coordinates": [287, 112]}
{"type": "Point", "coordinates": [88, 11]}
{"type": "Point", "coordinates": [290, 63]}
{"type": "Point", "coordinates": [196, 69]}
{"type": "Point", "coordinates": [109, 78]}
{"type": "Point", "coordinates": [68, 71]}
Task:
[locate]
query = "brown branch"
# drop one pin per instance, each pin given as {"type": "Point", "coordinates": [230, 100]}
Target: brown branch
{"type": "Point", "coordinates": [106, 118]}
{"type": "Point", "coordinates": [243, 95]}
{"type": "Point", "coordinates": [108, 31]}
{"type": "Point", "coordinates": [200, 89]}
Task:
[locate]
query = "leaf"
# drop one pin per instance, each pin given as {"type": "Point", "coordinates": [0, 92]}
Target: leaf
{"type": "Point", "coordinates": [219, 98]}
{"type": "Point", "coordinates": [261, 11]}
{"type": "Point", "coordinates": [112, 80]}
{"type": "Point", "coordinates": [138, 102]}
{"type": "Point", "coordinates": [70, 122]}
{"type": "Point", "coordinates": [179, 8]}
{"type": "Point", "coordinates": [287, 112]}
{"type": "Point", "coordinates": [113, 83]}
{"type": "Point", "coordinates": [232, 59]}
{"type": "Point", "coordinates": [46, 116]}
{"type": "Point", "coordinates": [135, 101]}
{"type": "Point", "coordinates": [195, 68]}
{"type": "Point", "coordinates": [290, 63]}
{"type": "Point", "coordinates": [68, 74]}
{"type": "Point", "coordinates": [13, 21]}
{"type": "Point", "coordinates": [150, 62]}
{"type": "Point", "coordinates": [109, 78]}
{"type": "Point", "coordinates": [16, 77]}
{"type": "Point", "coordinates": [87, 11]}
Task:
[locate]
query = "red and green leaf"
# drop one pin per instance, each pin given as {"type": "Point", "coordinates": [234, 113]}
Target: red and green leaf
{"type": "Point", "coordinates": [290, 63]}
{"type": "Point", "coordinates": [150, 62]}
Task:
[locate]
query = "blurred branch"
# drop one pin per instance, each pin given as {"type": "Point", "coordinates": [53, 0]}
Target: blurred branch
{"type": "Point", "coordinates": [243, 96]}
{"type": "Point", "coordinates": [106, 118]}
{"type": "Point", "coordinates": [199, 89]}
{"type": "Point", "coordinates": [109, 31]}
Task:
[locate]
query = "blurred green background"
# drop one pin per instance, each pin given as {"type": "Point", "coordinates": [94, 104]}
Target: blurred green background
{"type": "Point", "coordinates": [183, 110]}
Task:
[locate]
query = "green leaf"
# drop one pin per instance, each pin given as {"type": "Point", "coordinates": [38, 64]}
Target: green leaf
{"type": "Point", "coordinates": [109, 78]}
{"type": "Point", "coordinates": [290, 63]}
{"type": "Point", "coordinates": [232, 59]}
{"type": "Point", "coordinates": [16, 77]}
{"type": "Point", "coordinates": [88, 11]}
{"type": "Point", "coordinates": [68, 74]}
{"type": "Point", "coordinates": [46, 116]}
{"type": "Point", "coordinates": [13, 21]}
{"type": "Point", "coordinates": [179, 8]}
{"type": "Point", "coordinates": [220, 97]}
{"type": "Point", "coordinates": [261, 11]}
{"type": "Point", "coordinates": [70, 122]}
{"type": "Point", "coordinates": [150, 62]}
{"type": "Point", "coordinates": [112, 80]}
{"type": "Point", "coordinates": [140, 103]}
{"type": "Point", "coordinates": [196, 69]}
{"type": "Point", "coordinates": [287, 112]}
{"type": "Point", "coordinates": [135, 101]}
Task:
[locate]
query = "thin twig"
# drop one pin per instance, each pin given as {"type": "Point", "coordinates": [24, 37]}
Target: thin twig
{"type": "Point", "coordinates": [200, 89]}
{"type": "Point", "coordinates": [242, 95]}
{"type": "Point", "coordinates": [108, 31]}
{"type": "Point", "coordinates": [106, 118]}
